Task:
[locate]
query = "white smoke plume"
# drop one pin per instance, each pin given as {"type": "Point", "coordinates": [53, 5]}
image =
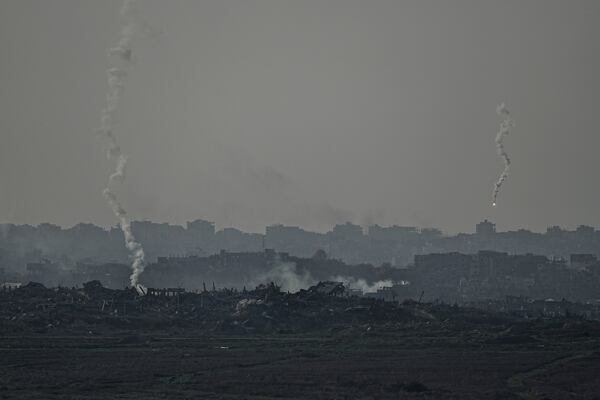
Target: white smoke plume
{"type": "Point", "coordinates": [505, 126]}
{"type": "Point", "coordinates": [354, 283]}
{"type": "Point", "coordinates": [121, 64]}
{"type": "Point", "coordinates": [286, 276]}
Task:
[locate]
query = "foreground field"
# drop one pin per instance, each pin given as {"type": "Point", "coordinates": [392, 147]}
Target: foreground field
{"type": "Point", "coordinates": [399, 366]}
{"type": "Point", "coordinates": [96, 343]}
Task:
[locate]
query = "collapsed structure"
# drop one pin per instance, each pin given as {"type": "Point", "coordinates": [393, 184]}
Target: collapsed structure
{"type": "Point", "coordinates": [325, 307]}
{"type": "Point", "coordinates": [449, 277]}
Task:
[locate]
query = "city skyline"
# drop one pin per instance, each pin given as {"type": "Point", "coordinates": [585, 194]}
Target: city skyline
{"type": "Point", "coordinates": [251, 113]}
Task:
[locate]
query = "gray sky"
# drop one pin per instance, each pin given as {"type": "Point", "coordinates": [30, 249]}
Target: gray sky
{"type": "Point", "coordinates": [309, 112]}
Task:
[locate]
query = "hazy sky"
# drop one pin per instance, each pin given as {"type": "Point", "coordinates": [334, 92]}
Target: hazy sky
{"type": "Point", "coordinates": [308, 112]}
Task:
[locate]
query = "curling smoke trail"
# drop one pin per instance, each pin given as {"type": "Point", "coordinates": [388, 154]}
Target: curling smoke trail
{"type": "Point", "coordinates": [120, 66]}
{"type": "Point", "coordinates": [505, 126]}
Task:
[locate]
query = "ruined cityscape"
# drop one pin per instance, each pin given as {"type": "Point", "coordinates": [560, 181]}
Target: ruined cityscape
{"type": "Point", "coordinates": [211, 297]}
{"type": "Point", "coordinates": [303, 200]}
{"type": "Point", "coordinates": [391, 262]}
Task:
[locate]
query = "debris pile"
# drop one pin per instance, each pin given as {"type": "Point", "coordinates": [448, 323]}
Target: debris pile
{"type": "Point", "coordinates": [325, 308]}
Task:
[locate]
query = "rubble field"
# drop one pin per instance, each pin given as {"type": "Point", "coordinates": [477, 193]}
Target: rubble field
{"type": "Point", "coordinates": [97, 343]}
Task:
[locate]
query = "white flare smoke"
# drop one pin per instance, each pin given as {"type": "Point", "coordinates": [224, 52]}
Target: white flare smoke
{"type": "Point", "coordinates": [121, 64]}
{"type": "Point", "coordinates": [505, 126]}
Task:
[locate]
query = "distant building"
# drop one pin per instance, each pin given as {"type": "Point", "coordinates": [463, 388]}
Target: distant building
{"type": "Point", "coordinates": [582, 261]}
{"type": "Point", "coordinates": [203, 229]}
{"type": "Point", "coordinates": [431, 233]}
{"type": "Point", "coordinates": [438, 261]}
{"type": "Point", "coordinates": [585, 231]}
{"type": "Point", "coordinates": [293, 239]}
{"type": "Point", "coordinates": [555, 231]}
{"type": "Point", "coordinates": [485, 228]}
{"type": "Point", "coordinates": [235, 240]}
{"type": "Point", "coordinates": [347, 231]}
{"type": "Point", "coordinates": [393, 233]}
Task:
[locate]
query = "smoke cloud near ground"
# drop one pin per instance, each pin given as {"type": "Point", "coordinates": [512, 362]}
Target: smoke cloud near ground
{"type": "Point", "coordinates": [354, 283]}
{"type": "Point", "coordinates": [286, 276]}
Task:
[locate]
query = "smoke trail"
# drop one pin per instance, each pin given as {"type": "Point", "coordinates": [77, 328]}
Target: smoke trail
{"type": "Point", "coordinates": [121, 64]}
{"type": "Point", "coordinates": [505, 126]}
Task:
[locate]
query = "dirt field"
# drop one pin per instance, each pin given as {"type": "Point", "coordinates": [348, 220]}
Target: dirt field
{"type": "Point", "coordinates": [380, 367]}
{"type": "Point", "coordinates": [96, 343]}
